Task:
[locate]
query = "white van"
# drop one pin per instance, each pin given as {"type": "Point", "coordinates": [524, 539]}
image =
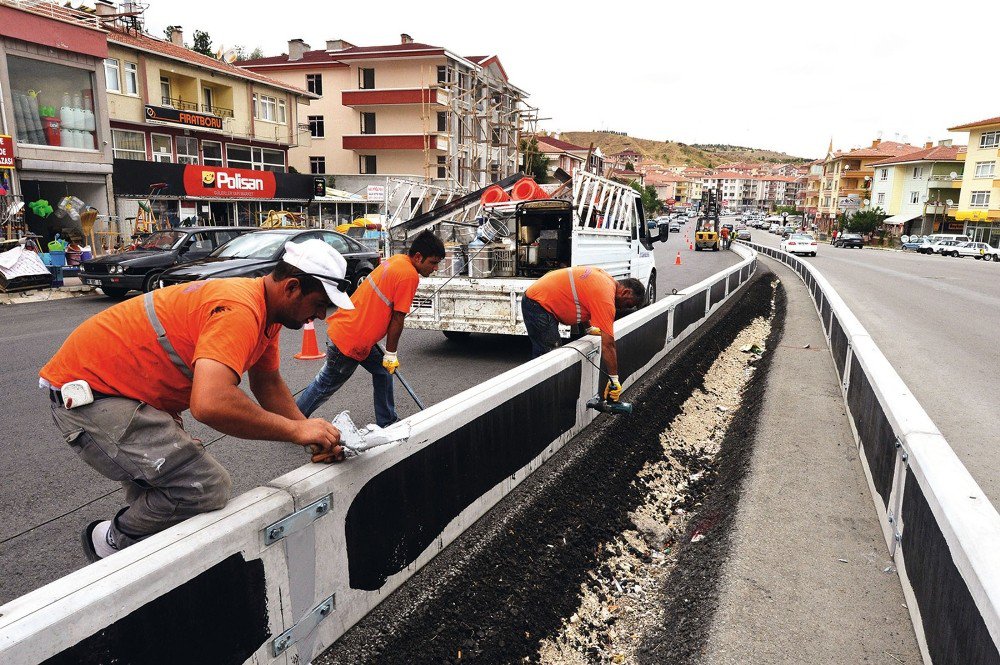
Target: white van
{"type": "Point", "coordinates": [478, 286]}
{"type": "Point", "coordinates": [932, 245]}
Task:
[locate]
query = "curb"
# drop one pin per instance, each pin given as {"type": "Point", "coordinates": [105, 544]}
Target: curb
{"type": "Point", "coordinates": [44, 295]}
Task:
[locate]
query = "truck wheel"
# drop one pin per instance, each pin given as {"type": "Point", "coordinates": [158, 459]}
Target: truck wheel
{"type": "Point", "coordinates": [457, 335]}
{"type": "Point", "coordinates": [651, 289]}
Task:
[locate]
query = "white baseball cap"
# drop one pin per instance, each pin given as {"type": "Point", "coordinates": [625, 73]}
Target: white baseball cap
{"type": "Point", "coordinates": [318, 259]}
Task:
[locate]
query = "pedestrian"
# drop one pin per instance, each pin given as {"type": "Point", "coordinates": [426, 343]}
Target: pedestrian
{"type": "Point", "coordinates": [725, 237]}
{"type": "Point", "coordinates": [581, 295]}
{"type": "Point", "coordinates": [120, 381]}
{"type": "Point", "coordinates": [381, 304]}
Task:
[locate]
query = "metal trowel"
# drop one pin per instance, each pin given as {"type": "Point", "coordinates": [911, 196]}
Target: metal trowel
{"type": "Point", "coordinates": [356, 441]}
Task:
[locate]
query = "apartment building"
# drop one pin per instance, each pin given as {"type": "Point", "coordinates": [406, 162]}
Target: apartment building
{"type": "Point", "coordinates": [407, 109]}
{"type": "Point", "coordinates": [979, 200]}
{"type": "Point", "coordinates": [568, 156]}
{"type": "Point", "coordinates": [51, 67]}
{"type": "Point", "coordinates": [216, 135]}
{"type": "Point", "coordinates": [810, 190]}
{"type": "Point", "coordinates": [847, 177]}
{"type": "Point", "coordinates": [915, 188]}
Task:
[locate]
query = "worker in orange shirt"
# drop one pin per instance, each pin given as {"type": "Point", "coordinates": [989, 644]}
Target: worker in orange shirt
{"type": "Point", "coordinates": [120, 381]}
{"type": "Point", "coordinates": [581, 295]}
{"type": "Point", "coordinates": [381, 304]}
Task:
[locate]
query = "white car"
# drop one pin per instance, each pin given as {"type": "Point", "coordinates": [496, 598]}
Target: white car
{"type": "Point", "coordinates": [799, 243]}
{"type": "Point", "coordinates": [942, 247]}
{"type": "Point", "coordinates": [977, 250]}
{"type": "Point", "coordinates": [775, 228]}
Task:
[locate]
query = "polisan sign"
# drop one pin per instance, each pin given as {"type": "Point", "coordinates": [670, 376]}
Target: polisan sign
{"type": "Point", "coordinates": [217, 182]}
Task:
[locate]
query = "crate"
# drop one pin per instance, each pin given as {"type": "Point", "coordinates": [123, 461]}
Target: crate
{"type": "Point", "coordinates": [503, 262]}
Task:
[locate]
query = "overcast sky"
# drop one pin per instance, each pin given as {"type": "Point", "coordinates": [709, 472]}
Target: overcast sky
{"type": "Point", "coordinates": [770, 74]}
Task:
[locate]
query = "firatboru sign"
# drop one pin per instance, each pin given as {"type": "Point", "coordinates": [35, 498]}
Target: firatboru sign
{"type": "Point", "coordinates": [6, 152]}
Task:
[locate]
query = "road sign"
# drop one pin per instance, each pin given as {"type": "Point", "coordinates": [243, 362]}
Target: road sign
{"type": "Point", "coordinates": [671, 202]}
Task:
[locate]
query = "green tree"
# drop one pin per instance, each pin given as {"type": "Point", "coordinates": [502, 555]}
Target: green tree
{"type": "Point", "coordinates": [865, 221]}
{"type": "Point", "coordinates": [202, 43]}
{"type": "Point", "coordinates": [789, 209]}
{"type": "Point", "coordinates": [629, 166]}
{"type": "Point", "coordinates": [650, 203]}
{"type": "Point", "coordinates": [533, 162]}
{"type": "Point", "coordinates": [242, 55]}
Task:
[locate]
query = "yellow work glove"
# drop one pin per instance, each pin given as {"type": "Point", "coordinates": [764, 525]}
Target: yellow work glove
{"type": "Point", "coordinates": [613, 390]}
{"type": "Point", "coordinates": [593, 330]}
{"type": "Point", "coordinates": [390, 361]}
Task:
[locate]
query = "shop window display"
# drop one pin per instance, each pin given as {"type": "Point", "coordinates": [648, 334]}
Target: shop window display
{"type": "Point", "coordinates": [53, 104]}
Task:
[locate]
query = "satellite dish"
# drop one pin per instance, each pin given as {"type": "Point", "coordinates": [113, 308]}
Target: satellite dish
{"type": "Point", "coordinates": [954, 176]}
{"type": "Point", "coordinates": [950, 202]}
{"type": "Point", "coordinates": [867, 201]}
{"type": "Point", "coordinates": [229, 56]}
{"type": "Point", "coordinates": [905, 238]}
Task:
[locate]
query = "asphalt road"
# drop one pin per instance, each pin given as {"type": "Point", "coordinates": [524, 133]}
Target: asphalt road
{"type": "Point", "coordinates": [48, 495]}
{"type": "Point", "coordinates": [936, 320]}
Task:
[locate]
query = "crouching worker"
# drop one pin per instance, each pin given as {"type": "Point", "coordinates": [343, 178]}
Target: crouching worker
{"type": "Point", "coordinates": [121, 380]}
{"type": "Point", "coordinates": [381, 304]}
{"type": "Point", "coordinates": [581, 295]}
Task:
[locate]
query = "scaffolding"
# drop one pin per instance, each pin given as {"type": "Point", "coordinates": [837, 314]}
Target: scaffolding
{"type": "Point", "coordinates": [486, 118]}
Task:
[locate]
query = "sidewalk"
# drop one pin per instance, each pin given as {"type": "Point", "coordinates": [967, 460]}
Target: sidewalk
{"type": "Point", "coordinates": [806, 579]}
{"type": "Point", "coordinates": [71, 288]}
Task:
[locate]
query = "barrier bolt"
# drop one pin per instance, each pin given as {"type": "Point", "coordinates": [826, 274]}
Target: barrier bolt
{"type": "Point", "coordinates": [276, 532]}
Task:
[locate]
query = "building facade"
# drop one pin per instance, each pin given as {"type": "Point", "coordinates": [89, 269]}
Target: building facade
{"type": "Point", "coordinates": [407, 109]}
{"type": "Point", "coordinates": [914, 189]}
{"type": "Point", "coordinates": [978, 208]}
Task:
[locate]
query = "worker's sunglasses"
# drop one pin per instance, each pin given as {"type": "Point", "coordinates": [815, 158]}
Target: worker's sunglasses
{"type": "Point", "coordinates": [342, 284]}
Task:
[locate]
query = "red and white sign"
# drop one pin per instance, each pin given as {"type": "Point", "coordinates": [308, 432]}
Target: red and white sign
{"type": "Point", "coordinates": [671, 202]}
{"type": "Point", "coordinates": [6, 152]}
{"type": "Point", "coordinates": [217, 182]}
{"type": "Point", "coordinates": [375, 193]}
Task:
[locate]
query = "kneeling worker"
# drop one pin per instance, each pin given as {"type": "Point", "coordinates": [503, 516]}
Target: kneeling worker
{"type": "Point", "coordinates": [574, 296]}
{"type": "Point", "coordinates": [120, 381]}
{"type": "Point", "coordinates": [381, 304]}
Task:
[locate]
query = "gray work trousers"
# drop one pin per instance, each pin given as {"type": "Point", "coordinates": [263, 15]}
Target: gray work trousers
{"type": "Point", "coordinates": [167, 475]}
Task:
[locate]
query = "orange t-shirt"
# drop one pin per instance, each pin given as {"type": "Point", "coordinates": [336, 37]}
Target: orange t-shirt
{"type": "Point", "coordinates": [594, 287]}
{"type": "Point", "coordinates": [117, 353]}
{"type": "Point", "coordinates": [356, 331]}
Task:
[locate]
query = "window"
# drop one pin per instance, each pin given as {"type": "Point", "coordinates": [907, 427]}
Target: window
{"type": "Point", "coordinates": [367, 123]}
{"type": "Point", "coordinates": [366, 78]}
{"type": "Point", "coordinates": [246, 157]}
{"type": "Point", "coordinates": [317, 128]}
{"type": "Point", "coordinates": [208, 99]}
{"type": "Point", "coordinates": [980, 199]}
{"type": "Point", "coordinates": [211, 153]}
{"type": "Point", "coordinates": [35, 87]}
{"type": "Point", "coordinates": [985, 169]}
{"type": "Point", "coordinates": [187, 150]}
{"type": "Point", "coordinates": [282, 117]}
{"type": "Point", "coordinates": [161, 148]}
{"type": "Point", "coordinates": [442, 121]}
{"type": "Point", "coordinates": [112, 75]}
{"type": "Point", "coordinates": [337, 242]}
{"type": "Point", "coordinates": [128, 145]}
{"type": "Point", "coordinates": [165, 96]}
{"type": "Point", "coordinates": [442, 166]}
{"type": "Point", "coordinates": [367, 164]}
{"type": "Point", "coordinates": [880, 200]}
{"type": "Point", "coordinates": [918, 172]}
{"type": "Point", "coordinates": [442, 74]}
{"type": "Point", "coordinates": [131, 78]}
{"type": "Point", "coordinates": [914, 197]}
{"type": "Point", "coordinates": [238, 157]}
{"type": "Point", "coordinates": [266, 108]}
{"type": "Point", "coordinates": [314, 83]}
{"type": "Point", "coordinates": [883, 174]}
{"type": "Point", "coordinates": [317, 165]}
{"type": "Point", "coordinates": [989, 140]}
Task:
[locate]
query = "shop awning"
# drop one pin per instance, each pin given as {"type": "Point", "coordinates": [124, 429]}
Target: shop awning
{"type": "Point", "coordinates": [899, 220]}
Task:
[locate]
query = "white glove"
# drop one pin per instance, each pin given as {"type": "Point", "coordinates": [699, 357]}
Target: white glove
{"type": "Point", "coordinates": [390, 361]}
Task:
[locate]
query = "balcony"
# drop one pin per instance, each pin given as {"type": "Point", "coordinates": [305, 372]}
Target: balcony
{"type": "Point", "coordinates": [393, 97]}
{"type": "Point", "coordinates": [220, 111]}
{"type": "Point", "coordinates": [179, 104]}
{"type": "Point", "coordinates": [365, 142]}
{"type": "Point", "coordinates": [945, 182]}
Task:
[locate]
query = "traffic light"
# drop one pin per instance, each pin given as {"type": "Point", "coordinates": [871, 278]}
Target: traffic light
{"type": "Point", "coordinates": [319, 186]}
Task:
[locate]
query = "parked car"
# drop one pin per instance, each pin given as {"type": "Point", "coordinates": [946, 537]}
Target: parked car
{"type": "Point", "coordinates": [932, 240]}
{"type": "Point", "coordinates": [775, 228]}
{"type": "Point", "coordinates": [140, 269]}
{"type": "Point", "coordinates": [977, 250]}
{"type": "Point", "coordinates": [743, 234]}
{"type": "Point", "coordinates": [799, 243]}
{"type": "Point", "coordinates": [675, 227]}
{"type": "Point", "coordinates": [916, 243]}
{"type": "Point", "coordinates": [942, 247]}
{"type": "Point", "coordinates": [848, 240]}
{"type": "Point", "coordinates": [256, 255]}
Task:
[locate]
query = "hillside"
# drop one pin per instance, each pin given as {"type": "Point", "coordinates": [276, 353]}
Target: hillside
{"type": "Point", "coordinates": [669, 152]}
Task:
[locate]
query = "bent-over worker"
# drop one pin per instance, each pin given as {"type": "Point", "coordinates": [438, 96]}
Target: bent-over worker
{"type": "Point", "coordinates": [381, 304]}
{"type": "Point", "coordinates": [582, 295]}
{"type": "Point", "coordinates": [186, 347]}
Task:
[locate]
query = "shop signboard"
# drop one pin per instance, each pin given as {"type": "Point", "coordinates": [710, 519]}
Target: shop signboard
{"type": "Point", "coordinates": [185, 118]}
{"type": "Point", "coordinates": [6, 152]}
{"type": "Point", "coordinates": [375, 193]}
{"type": "Point", "coordinates": [217, 182]}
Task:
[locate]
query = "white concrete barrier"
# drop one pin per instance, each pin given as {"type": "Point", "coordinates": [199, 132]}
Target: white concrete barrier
{"type": "Point", "coordinates": [940, 528]}
{"type": "Point", "coordinates": [299, 561]}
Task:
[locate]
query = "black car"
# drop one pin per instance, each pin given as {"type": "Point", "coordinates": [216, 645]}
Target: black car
{"type": "Point", "coordinates": [256, 255]}
{"type": "Point", "coordinates": [139, 269]}
{"type": "Point", "coordinates": [849, 240]}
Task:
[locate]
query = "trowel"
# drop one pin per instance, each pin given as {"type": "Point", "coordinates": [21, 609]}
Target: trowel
{"type": "Point", "coordinates": [358, 440]}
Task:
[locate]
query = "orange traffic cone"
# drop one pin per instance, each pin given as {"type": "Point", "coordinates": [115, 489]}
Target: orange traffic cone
{"type": "Point", "coordinates": [690, 246]}
{"type": "Point", "coordinates": [677, 261]}
{"type": "Point", "coordinates": [310, 351]}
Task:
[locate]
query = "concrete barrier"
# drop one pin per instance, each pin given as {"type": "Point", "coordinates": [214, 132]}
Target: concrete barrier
{"type": "Point", "coordinates": [940, 528]}
{"type": "Point", "coordinates": [284, 570]}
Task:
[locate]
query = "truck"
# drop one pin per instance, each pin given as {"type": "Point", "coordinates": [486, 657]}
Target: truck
{"type": "Point", "coordinates": [706, 235]}
{"type": "Point", "coordinates": [497, 245]}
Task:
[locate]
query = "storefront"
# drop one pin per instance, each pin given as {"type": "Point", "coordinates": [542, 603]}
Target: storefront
{"type": "Point", "coordinates": [49, 72]}
{"type": "Point", "coordinates": [209, 195]}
